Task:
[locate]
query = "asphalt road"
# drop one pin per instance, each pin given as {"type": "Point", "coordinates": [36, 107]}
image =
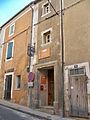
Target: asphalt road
{"type": "Point", "coordinates": [9, 114]}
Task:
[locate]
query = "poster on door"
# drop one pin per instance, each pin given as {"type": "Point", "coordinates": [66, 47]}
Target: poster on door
{"type": "Point", "coordinates": [43, 83]}
{"type": "Point", "coordinates": [43, 79]}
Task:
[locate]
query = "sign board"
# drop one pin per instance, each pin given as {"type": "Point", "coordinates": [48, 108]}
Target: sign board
{"type": "Point", "coordinates": [30, 84]}
{"type": "Point", "coordinates": [45, 53]}
{"type": "Point", "coordinates": [43, 79]}
{"type": "Point", "coordinates": [31, 76]}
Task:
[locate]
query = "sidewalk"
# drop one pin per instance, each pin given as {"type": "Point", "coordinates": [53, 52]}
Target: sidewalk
{"type": "Point", "coordinates": [33, 112]}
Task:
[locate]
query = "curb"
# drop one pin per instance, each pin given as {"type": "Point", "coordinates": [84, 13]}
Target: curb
{"type": "Point", "coordinates": [32, 112]}
{"type": "Point", "coordinates": [48, 117]}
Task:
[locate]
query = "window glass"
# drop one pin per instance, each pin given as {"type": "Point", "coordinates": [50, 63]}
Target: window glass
{"type": "Point", "coordinates": [9, 51]}
{"type": "Point", "coordinates": [18, 81]}
{"type": "Point", "coordinates": [46, 9]}
{"type": "Point", "coordinates": [12, 29]}
{"type": "Point", "coordinates": [46, 37]}
{"type": "Point", "coordinates": [77, 71]}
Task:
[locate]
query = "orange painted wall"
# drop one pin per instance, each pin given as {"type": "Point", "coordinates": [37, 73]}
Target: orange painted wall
{"type": "Point", "coordinates": [20, 59]}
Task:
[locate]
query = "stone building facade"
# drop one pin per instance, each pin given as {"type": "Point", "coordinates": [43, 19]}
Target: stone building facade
{"type": "Point", "coordinates": [47, 91]}
{"type": "Point", "coordinates": [48, 85]}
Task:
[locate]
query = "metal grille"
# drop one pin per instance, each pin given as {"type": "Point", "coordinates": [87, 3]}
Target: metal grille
{"type": "Point", "coordinates": [77, 71]}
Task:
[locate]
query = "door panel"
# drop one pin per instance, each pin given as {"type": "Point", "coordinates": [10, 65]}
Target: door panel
{"type": "Point", "coordinates": [8, 83]}
{"type": "Point", "coordinates": [78, 99]}
{"type": "Point", "coordinates": [82, 90]}
{"type": "Point", "coordinates": [50, 87]}
{"type": "Point", "coordinates": [74, 97]}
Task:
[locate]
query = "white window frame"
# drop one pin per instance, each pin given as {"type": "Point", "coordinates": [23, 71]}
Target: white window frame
{"type": "Point", "coordinates": [12, 50]}
{"type": "Point", "coordinates": [10, 34]}
{"type": "Point", "coordinates": [42, 34]}
{"type": "Point", "coordinates": [16, 83]}
{"type": "Point", "coordinates": [44, 14]}
{"type": "Point", "coordinates": [10, 73]}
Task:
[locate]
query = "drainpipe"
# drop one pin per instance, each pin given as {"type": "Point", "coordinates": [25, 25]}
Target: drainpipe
{"type": "Point", "coordinates": [62, 53]}
{"type": "Point", "coordinates": [30, 63]}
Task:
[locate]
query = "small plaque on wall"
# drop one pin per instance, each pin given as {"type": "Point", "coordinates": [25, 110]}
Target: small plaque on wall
{"type": "Point", "coordinates": [44, 53]}
{"type": "Point", "coordinates": [31, 84]}
{"type": "Point", "coordinates": [43, 79]}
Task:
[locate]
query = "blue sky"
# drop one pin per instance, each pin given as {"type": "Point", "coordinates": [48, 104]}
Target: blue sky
{"type": "Point", "coordinates": [8, 8]}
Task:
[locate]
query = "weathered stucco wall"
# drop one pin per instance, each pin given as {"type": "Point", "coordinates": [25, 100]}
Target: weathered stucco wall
{"type": "Point", "coordinates": [20, 59]}
{"type": "Point", "coordinates": [77, 37]}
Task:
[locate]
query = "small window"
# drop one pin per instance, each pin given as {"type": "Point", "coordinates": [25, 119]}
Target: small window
{"type": "Point", "coordinates": [18, 81]}
{"type": "Point", "coordinates": [46, 8]}
{"type": "Point", "coordinates": [47, 37]}
{"type": "Point", "coordinates": [11, 30]}
{"type": "Point", "coordinates": [10, 50]}
{"type": "Point", "coordinates": [77, 71]}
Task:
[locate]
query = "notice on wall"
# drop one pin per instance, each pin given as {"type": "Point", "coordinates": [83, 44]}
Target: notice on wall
{"type": "Point", "coordinates": [45, 53]}
{"type": "Point", "coordinates": [43, 79]}
{"type": "Point", "coordinates": [30, 84]}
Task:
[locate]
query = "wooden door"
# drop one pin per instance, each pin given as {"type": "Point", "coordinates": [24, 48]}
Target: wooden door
{"type": "Point", "coordinates": [8, 83]}
{"type": "Point", "coordinates": [78, 96]}
{"type": "Point", "coordinates": [50, 87]}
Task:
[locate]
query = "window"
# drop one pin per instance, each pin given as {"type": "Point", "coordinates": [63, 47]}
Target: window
{"type": "Point", "coordinates": [77, 71]}
{"type": "Point", "coordinates": [10, 50]}
{"type": "Point", "coordinates": [46, 8]}
{"type": "Point", "coordinates": [11, 30]}
{"type": "Point", "coordinates": [18, 81]}
{"type": "Point", "coordinates": [46, 36]}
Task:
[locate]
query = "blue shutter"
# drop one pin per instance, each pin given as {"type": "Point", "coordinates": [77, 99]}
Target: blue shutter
{"type": "Point", "coordinates": [9, 52]}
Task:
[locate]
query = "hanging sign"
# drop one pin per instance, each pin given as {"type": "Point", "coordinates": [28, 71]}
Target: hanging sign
{"type": "Point", "coordinates": [31, 76]}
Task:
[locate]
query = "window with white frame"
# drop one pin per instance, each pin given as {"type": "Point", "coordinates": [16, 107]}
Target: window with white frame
{"type": "Point", "coordinates": [77, 71]}
{"type": "Point", "coordinates": [18, 81]}
{"type": "Point", "coordinates": [46, 8]}
{"type": "Point", "coordinates": [11, 29]}
{"type": "Point", "coordinates": [9, 54]}
{"type": "Point", "coordinates": [46, 37]}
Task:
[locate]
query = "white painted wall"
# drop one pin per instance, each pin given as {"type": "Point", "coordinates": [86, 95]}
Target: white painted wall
{"type": "Point", "coordinates": [34, 34]}
{"type": "Point", "coordinates": [2, 35]}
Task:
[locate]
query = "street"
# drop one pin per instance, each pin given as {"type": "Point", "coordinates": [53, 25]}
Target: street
{"type": "Point", "coordinates": [9, 114]}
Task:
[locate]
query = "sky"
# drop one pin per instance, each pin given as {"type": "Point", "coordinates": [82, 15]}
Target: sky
{"type": "Point", "coordinates": [8, 8]}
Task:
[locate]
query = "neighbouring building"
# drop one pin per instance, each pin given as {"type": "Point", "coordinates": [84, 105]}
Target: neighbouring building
{"type": "Point", "coordinates": [77, 57]}
{"type": "Point", "coordinates": [47, 92]}
{"type": "Point", "coordinates": [15, 61]}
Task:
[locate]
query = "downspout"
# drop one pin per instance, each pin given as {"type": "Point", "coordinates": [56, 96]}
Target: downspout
{"type": "Point", "coordinates": [62, 54]}
{"type": "Point", "coordinates": [30, 63]}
